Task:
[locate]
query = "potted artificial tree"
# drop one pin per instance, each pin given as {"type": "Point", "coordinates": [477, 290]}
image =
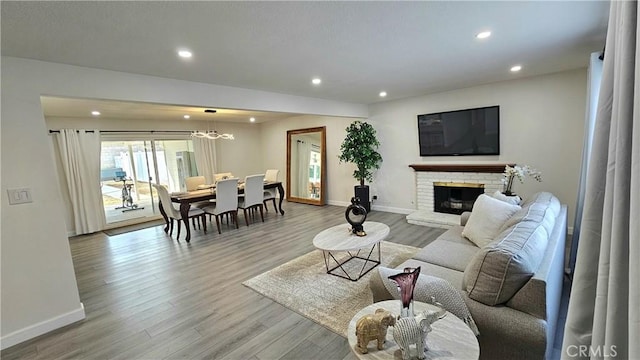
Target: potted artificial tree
{"type": "Point", "coordinates": [359, 147]}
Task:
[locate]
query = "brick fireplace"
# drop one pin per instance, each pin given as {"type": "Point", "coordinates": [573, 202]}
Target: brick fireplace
{"type": "Point", "coordinates": [483, 178]}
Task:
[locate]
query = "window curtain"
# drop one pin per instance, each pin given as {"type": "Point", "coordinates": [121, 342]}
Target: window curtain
{"type": "Point", "coordinates": [304, 158]}
{"type": "Point", "coordinates": [79, 152]}
{"type": "Point", "coordinates": [593, 83]}
{"type": "Point", "coordinates": [603, 320]}
{"type": "Point", "coordinates": [205, 153]}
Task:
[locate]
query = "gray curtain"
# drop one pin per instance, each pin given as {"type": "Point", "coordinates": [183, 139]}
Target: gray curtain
{"type": "Point", "coordinates": [603, 319]}
{"type": "Point", "coordinates": [593, 90]}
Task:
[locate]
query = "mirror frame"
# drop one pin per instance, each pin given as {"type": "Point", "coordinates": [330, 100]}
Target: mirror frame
{"type": "Point", "coordinates": [323, 165]}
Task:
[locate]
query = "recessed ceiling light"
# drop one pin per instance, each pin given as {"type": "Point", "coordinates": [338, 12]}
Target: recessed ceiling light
{"type": "Point", "coordinates": [187, 117]}
{"type": "Point", "coordinates": [316, 81]}
{"type": "Point", "coordinates": [516, 68]}
{"type": "Point", "coordinates": [252, 119]}
{"type": "Point", "coordinates": [483, 35]}
{"type": "Point", "coordinates": [383, 93]}
{"type": "Point", "coordinates": [95, 113]}
{"type": "Point", "coordinates": [185, 54]}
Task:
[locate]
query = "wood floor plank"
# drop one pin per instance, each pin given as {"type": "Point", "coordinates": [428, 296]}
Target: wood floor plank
{"type": "Point", "coordinates": [150, 296]}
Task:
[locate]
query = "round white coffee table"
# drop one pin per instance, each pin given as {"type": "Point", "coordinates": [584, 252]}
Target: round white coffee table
{"type": "Point", "coordinates": [451, 338]}
{"type": "Point", "coordinates": [340, 239]}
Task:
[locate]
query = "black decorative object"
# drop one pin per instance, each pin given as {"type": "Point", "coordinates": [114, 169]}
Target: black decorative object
{"type": "Point", "coordinates": [356, 214]}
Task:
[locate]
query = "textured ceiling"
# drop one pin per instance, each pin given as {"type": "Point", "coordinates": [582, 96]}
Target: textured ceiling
{"type": "Point", "coordinates": [357, 48]}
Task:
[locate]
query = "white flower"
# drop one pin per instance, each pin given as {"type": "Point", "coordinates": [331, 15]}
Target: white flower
{"type": "Point", "coordinates": [520, 172]}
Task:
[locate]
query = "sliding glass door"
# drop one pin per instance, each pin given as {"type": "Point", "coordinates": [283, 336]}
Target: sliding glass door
{"type": "Point", "coordinates": [130, 167]}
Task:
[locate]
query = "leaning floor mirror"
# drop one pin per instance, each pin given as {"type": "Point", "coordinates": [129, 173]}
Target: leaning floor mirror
{"type": "Point", "coordinates": [306, 163]}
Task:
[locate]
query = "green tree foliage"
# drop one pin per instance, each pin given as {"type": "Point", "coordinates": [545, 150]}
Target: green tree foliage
{"type": "Point", "coordinates": [359, 147]}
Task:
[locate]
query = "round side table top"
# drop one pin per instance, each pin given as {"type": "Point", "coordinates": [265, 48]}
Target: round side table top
{"type": "Point", "coordinates": [340, 237]}
{"type": "Point", "coordinates": [451, 338]}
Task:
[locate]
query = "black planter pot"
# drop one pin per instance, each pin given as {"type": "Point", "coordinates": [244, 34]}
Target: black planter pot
{"type": "Point", "coordinates": [362, 192]}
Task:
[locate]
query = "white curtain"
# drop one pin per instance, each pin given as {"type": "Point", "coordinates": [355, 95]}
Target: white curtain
{"type": "Point", "coordinates": [304, 158]}
{"type": "Point", "coordinates": [593, 90]}
{"type": "Point", "coordinates": [205, 153]}
{"type": "Point", "coordinates": [603, 320]}
{"type": "Point", "coordinates": [80, 160]}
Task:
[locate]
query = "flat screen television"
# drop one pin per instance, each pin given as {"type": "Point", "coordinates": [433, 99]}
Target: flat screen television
{"type": "Point", "coordinates": [460, 132]}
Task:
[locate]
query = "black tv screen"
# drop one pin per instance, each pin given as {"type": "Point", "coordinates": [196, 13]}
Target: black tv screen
{"type": "Point", "coordinates": [461, 132]}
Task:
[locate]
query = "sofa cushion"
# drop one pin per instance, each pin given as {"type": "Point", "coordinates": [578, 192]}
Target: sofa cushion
{"type": "Point", "coordinates": [501, 268]}
{"type": "Point", "coordinates": [487, 217]}
{"type": "Point", "coordinates": [450, 254]}
{"type": "Point", "coordinates": [542, 206]}
{"type": "Point", "coordinates": [452, 276]}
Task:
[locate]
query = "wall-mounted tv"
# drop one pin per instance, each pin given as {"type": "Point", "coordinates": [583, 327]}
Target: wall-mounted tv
{"type": "Point", "coordinates": [461, 132]}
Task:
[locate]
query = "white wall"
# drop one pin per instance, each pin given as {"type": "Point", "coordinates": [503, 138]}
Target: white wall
{"type": "Point", "coordinates": [39, 289]}
{"type": "Point", "coordinates": [339, 177]}
{"type": "Point", "coordinates": [541, 125]}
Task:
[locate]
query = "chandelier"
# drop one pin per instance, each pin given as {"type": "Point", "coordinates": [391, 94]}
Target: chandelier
{"type": "Point", "coordinates": [213, 135]}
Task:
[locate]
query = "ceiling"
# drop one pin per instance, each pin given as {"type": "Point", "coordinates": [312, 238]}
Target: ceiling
{"type": "Point", "coordinates": [358, 48]}
{"type": "Point", "coordinates": [82, 108]}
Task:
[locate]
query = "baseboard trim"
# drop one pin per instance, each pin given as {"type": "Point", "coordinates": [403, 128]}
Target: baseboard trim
{"type": "Point", "coordinates": [338, 203]}
{"type": "Point", "coordinates": [43, 327]}
{"type": "Point", "coordinates": [391, 209]}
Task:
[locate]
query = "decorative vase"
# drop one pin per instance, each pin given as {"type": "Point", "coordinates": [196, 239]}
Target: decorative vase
{"type": "Point", "coordinates": [406, 282]}
{"type": "Point", "coordinates": [356, 214]}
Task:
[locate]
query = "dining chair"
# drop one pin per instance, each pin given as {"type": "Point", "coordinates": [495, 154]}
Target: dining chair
{"type": "Point", "coordinates": [253, 195]}
{"type": "Point", "coordinates": [222, 176]}
{"type": "Point", "coordinates": [226, 201]}
{"type": "Point", "coordinates": [270, 194]}
{"type": "Point", "coordinates": [193, 183]}
{"type": "Point", "coordinates": [173, 213]}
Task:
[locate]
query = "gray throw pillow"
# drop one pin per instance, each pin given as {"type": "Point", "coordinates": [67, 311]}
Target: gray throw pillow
{"type": "Point", "coordinates": [429, 287]}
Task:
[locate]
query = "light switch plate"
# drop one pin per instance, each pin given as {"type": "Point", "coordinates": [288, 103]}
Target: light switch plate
{"type": "Point", "coordinates": [19, 196]}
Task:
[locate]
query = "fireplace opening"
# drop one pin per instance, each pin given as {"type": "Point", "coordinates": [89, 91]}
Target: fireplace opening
{"type": "Point", "coordinates": [455, 198]}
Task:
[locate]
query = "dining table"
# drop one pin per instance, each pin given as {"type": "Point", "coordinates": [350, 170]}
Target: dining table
{"type": "Point", "coordinates": [185, 199]}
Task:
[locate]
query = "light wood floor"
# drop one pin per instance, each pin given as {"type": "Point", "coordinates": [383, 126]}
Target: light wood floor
{"type": "Point", "coordinates": [148, 296]}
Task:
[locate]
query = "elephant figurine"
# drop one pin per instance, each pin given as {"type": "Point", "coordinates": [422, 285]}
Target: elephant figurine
{"type": "Point", "coordinates": [413, 330]}
{"type": "Point", "coordinates": [373, 327]}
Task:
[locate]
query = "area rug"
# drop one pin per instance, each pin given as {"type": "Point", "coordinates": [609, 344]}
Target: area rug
{"type": "Point", "coordinates": [304, 286]}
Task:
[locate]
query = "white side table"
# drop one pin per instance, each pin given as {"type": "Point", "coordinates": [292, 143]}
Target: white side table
{"type": "Point", "coordinates": [451, 338]}
{"type": "Point", "coordinates": [340, 239]}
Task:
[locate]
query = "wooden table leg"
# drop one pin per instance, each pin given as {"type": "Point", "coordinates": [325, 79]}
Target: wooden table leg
{"type": "Point", "coordinates": [164, 215]}
{"type": "Point", "coordinates": [281, 193]}
{"type": "Point", "coordinates": [184, 212]}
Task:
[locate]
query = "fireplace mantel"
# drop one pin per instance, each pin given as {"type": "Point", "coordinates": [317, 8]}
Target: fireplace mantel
{"type": "Point", "coordinates": [477, 168]}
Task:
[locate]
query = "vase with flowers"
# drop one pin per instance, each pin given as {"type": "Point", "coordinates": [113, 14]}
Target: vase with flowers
{"type": "Point", "coordinates": [520, 172]}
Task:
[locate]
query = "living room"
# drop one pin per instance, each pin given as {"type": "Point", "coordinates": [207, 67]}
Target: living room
{"type": "Point", "coordinates": [542, 125]}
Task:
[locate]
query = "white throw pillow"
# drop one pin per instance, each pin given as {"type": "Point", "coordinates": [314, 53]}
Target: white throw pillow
{"type": "Point", "coordinates": [487, 216]}
{"type": "Point", "coordinates": [515, 200]}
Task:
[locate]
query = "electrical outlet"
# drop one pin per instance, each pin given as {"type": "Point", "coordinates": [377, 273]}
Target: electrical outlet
{"type": "Point", "coordinates": [19, 196]}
